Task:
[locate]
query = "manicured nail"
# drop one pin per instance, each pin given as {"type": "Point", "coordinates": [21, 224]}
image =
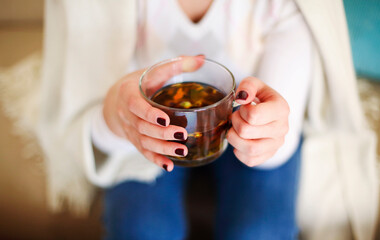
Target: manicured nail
{"type": "Point", "coordinates": [178, 135]}
{"type": "Point", "coordinates": [165, 167]}
{"type": "Point", "coordinates": [161, 121]}
{"type": "Point", "coordinates": [179, 151]}
{"type": "Point", "coordinates": [200, 55]}
{"type": "Point", "coordinates": [242, 95]}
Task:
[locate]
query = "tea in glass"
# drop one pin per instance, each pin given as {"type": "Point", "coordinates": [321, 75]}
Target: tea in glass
{"type": "Point", "coordinates": [204, 144]}
{"type": "Point", "coordinates": [200, 101]}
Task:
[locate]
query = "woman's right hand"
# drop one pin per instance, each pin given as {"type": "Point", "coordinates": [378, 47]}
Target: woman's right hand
{"type": "Point", "coordinates": [130, 116]}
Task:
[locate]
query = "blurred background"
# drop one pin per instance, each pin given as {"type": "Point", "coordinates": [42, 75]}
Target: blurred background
{"type": "Point", "coordinates": [23, 208]}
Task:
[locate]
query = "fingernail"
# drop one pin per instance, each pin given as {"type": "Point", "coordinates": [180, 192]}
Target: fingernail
{"type": "Point", "coordinates": [161, 121]}
{"type": "Point", "coordinates": [179, 135]}
{"type": "Point", "coordinates": [242, 95]}
{"type": "Point", "coordinates": [165, 167]}
{"type": "Point", "coordinates": [200, 59]}
{"type": "Point", "coordinates": [179, 151]}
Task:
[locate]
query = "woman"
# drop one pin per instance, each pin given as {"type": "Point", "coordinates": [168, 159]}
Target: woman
{"type": "Point", "coordinates": [95, 45]}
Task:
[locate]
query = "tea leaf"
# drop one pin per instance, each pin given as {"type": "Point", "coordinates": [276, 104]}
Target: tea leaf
{"type": "Point", "coordinates": [195, 94]}
{"type": "Point", "coordinates": [200, 87]}
{"type": "Point", "coordinates": [179, 94]}
{"type": "Point", "coordinates": [199, 103]}
{"type": "Point", "coordinates": [185, 104]}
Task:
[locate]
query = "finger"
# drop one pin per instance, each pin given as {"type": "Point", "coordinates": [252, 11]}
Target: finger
{"type": "Point", "coordinates": [248, 89]}
{"type": "Point", "coordinates": [251, 161]}
{"type": "Point", "coordinates": [265, 112]}
{"type": "Point", "coordinates": [271, 105]}
{"type": "Point", "coordinates": [177, 66]}
{"type": "Point", "coordinates": [255, 147]}
{"type": "Point", "coordinates": [159, 160]}
{"type": "Point", "coordinates": [141, 108]}
{"type": "Point", "coordinates": [163, 147]}
{"type": "Point", "coordinates": [253, 90]}
{"type": "Point", "coordinates": [170, 132]}
{"type": "Point", "coordinates": [246, 131]}
{"type": "Point", "coordinates": [143, 127]}
{"type": "Point", "coordinates": [133, 136]}
{"type": "Point", "coordinates": [158, 75]}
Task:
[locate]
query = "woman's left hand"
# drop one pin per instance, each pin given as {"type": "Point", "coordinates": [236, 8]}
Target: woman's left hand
{"type": "Point", "coordinates": [258, 131]}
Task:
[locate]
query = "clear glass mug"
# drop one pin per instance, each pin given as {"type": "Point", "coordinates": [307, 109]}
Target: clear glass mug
{"type": "Point", "coordinates": [206, 126]}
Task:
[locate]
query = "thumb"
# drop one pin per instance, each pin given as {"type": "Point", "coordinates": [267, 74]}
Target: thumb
{"type": "Point", "coordinates": [248, 90]}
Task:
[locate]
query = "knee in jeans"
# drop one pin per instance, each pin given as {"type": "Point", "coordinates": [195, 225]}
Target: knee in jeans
{"type": "Point", "coordinates": [261, 231]}
{"type": "Point", "coordinates": [145, 228]}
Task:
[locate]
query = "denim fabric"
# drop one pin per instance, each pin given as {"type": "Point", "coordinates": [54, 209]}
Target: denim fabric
{"type": "Point", "coordinates": [251, 203]}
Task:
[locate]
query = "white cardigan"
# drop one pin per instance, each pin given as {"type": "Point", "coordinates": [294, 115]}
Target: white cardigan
{"type": "Point", "coordinates": [89, 43]}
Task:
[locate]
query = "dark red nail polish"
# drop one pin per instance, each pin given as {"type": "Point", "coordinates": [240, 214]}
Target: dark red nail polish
{"type": "Point", "coordinates": [179, 135]}
{"type": "Point", "coordinates": [242, 95]}
{"type": "Point", "coordinates": [165, 167]}
{"type": "Point", "coordinates": [179, 151]}
{"type": "Point", "coordinates": [161, 121]}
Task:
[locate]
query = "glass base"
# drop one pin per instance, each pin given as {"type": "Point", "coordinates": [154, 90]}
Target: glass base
{"type": "Point", "coordinates": [200, 162]}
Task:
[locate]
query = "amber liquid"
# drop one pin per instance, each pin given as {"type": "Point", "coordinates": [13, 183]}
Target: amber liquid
{"type": "Point", "coordinates": [206, 129]}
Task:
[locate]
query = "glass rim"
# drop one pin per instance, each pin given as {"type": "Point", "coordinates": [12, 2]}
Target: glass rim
{"type": "Point", "coordinates": [232, 90]}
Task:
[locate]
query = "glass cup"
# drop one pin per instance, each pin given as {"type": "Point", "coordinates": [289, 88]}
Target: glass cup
{"type": "Point", "coordinates": [206, 126]}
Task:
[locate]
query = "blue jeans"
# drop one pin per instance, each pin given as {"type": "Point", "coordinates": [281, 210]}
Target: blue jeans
{"type": "Point", "coordinates": [251, 203]}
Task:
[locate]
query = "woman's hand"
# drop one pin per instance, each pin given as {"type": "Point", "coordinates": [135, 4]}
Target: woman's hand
{"type": "Point", "coordinates": [130, 116]}
{"type": "Point", "coordinates": [258, 130]}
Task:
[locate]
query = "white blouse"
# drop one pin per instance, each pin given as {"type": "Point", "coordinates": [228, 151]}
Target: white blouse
{"type": "Point", "coordinates": [277, 45]}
